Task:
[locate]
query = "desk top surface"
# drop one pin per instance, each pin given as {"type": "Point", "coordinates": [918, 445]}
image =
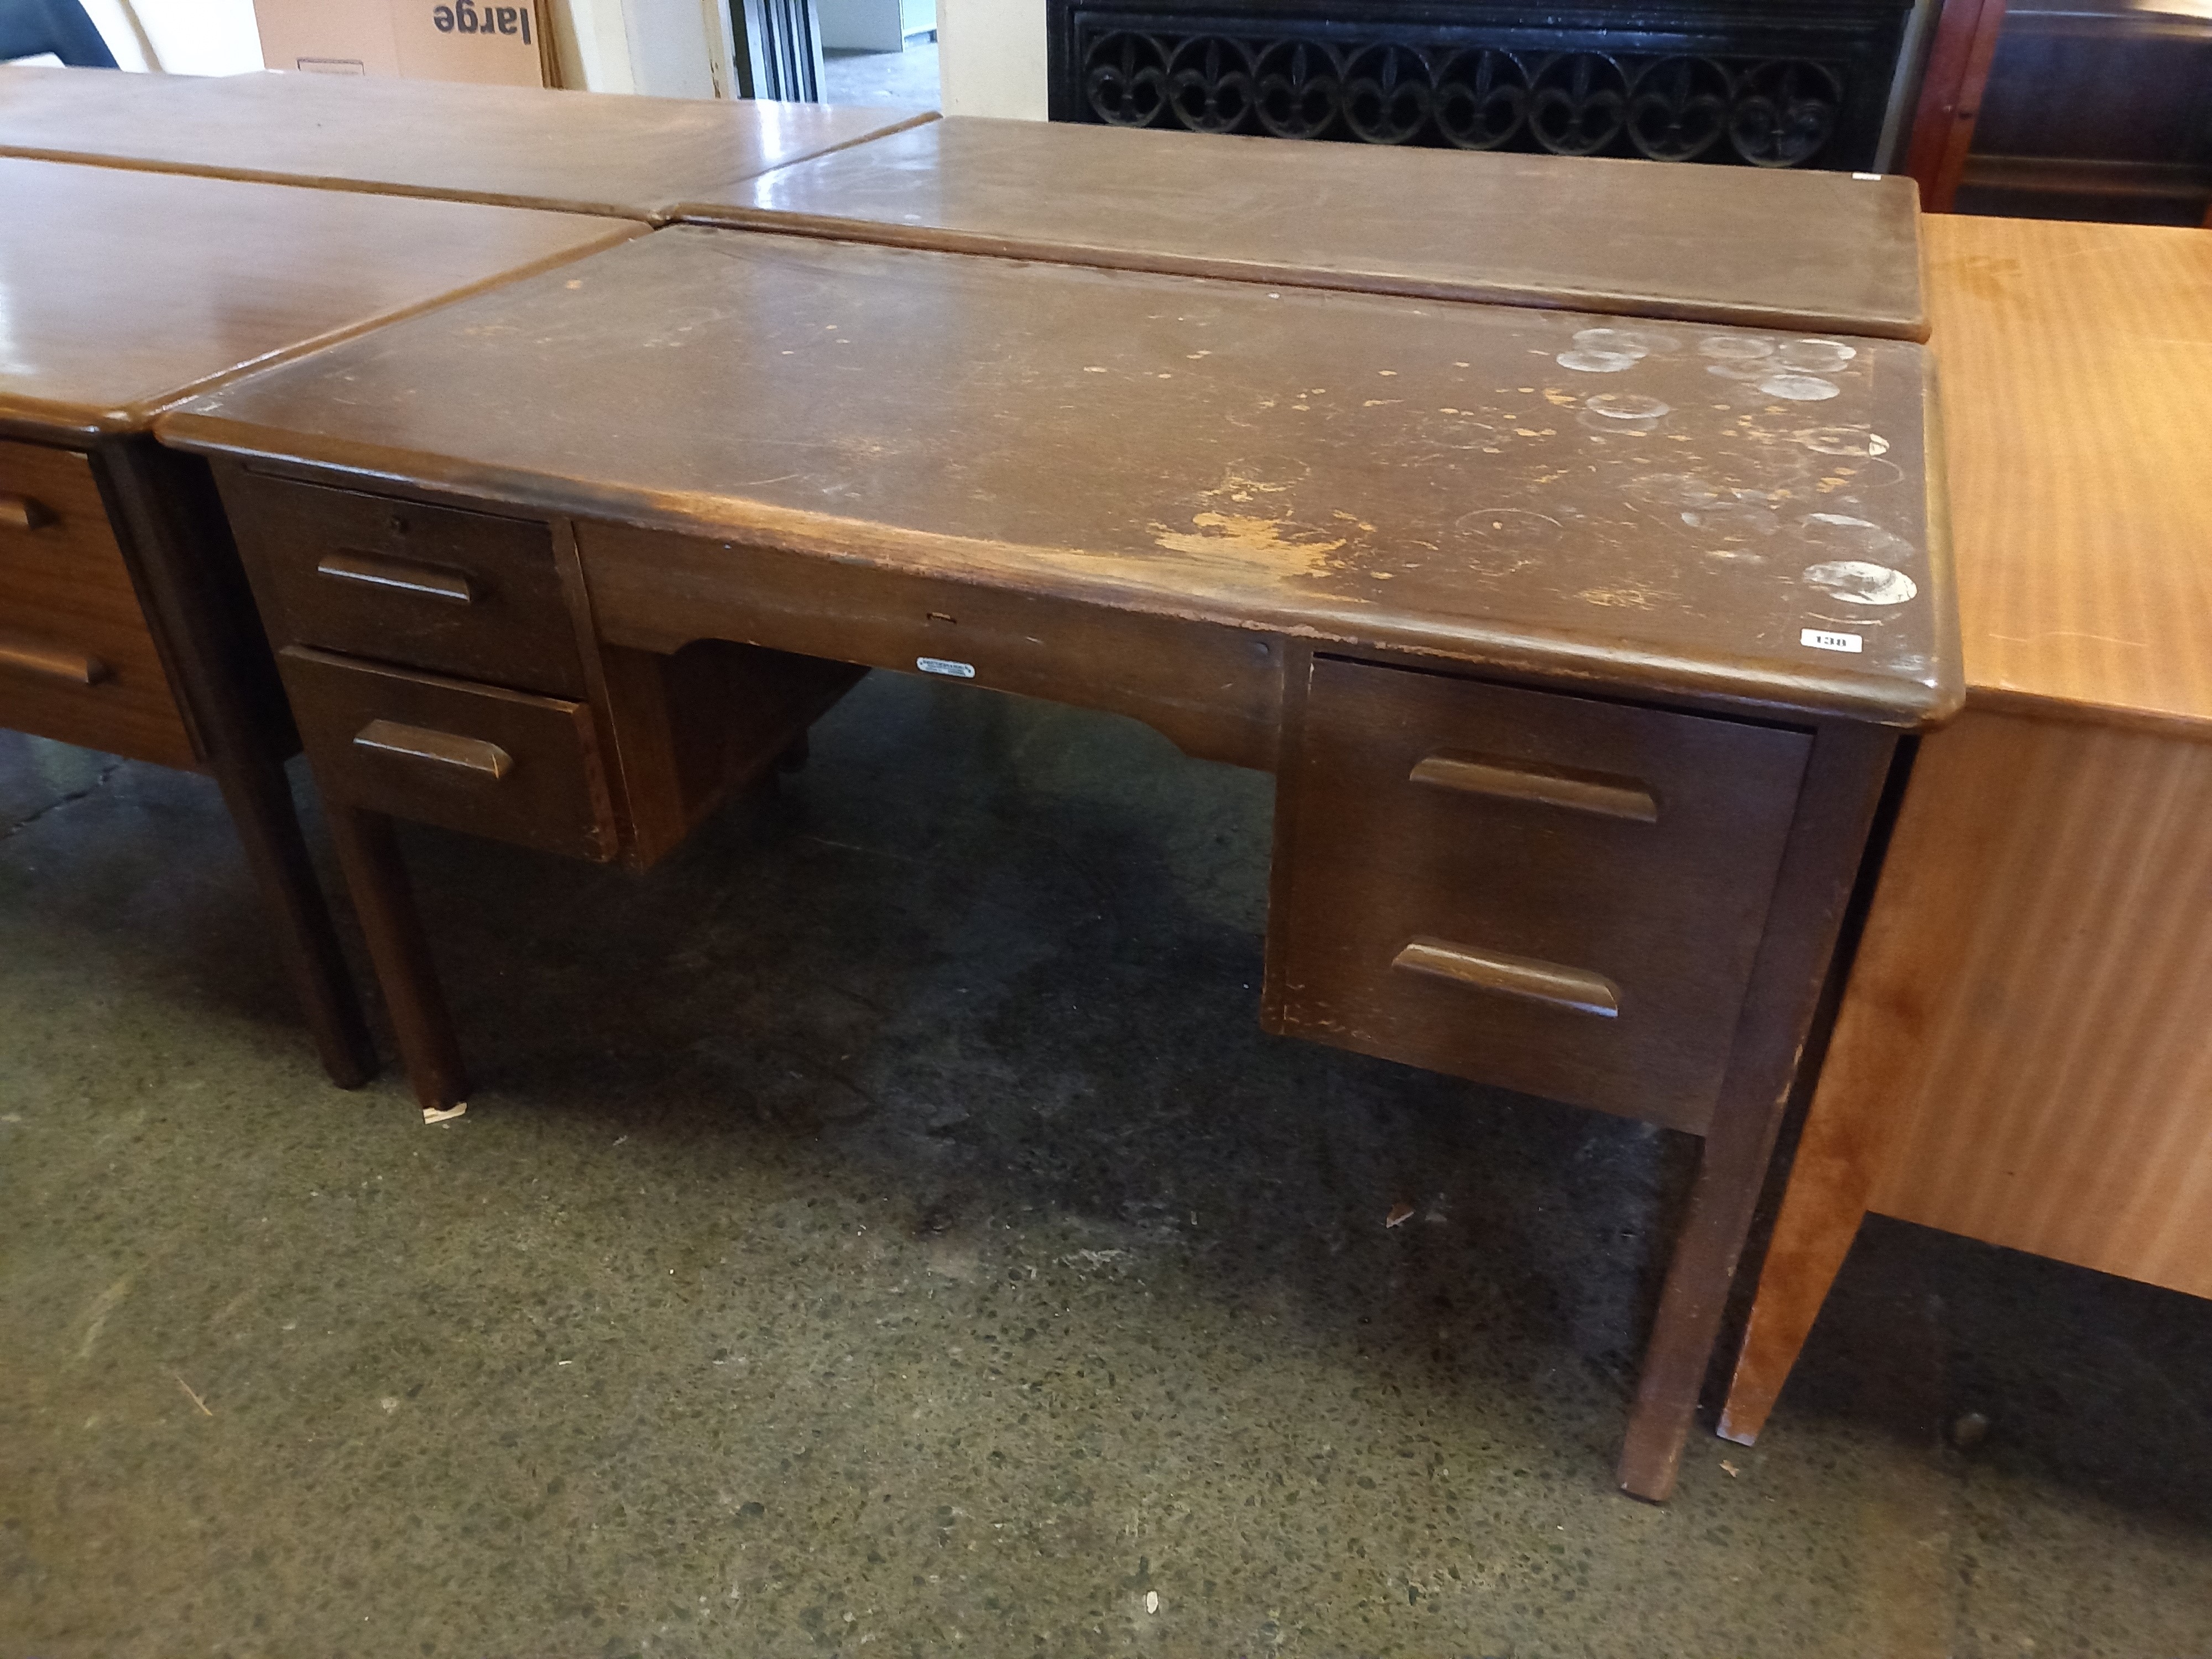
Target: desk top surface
{"type": "Point", "coordinates": [521, 145]}
{"type": "Point", "coordinates": [1821, 250]}
{"type": "Point", "coordinates": [2077, 400]}
{"type": "Point", "coordinates": [1663, 509]}
{"type": "Point", "coordinates": [121, 292]}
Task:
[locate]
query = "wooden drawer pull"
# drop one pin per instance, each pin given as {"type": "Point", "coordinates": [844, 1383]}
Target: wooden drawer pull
{"type": "Point", "coordinates": [1514, 976]}
{"type": "Point", "coordinates": [1510, 781]}
{"type": "Point", "coordinates": [394, 576]}
{"type": "Point", "coordinates": [486, 760]}
{"type": "Point", "coordinates": [21, 513]}
{"type": "Point", "coordinates": [50, 662]}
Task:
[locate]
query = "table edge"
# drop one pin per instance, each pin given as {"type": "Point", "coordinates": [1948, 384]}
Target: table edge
{"type": "Point", "coordinates": [1913, 328]}
{"type": "Point", "coordinates": [1904, 704]}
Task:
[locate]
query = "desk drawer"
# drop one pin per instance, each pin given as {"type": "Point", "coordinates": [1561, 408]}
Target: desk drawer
{"type": "Point", "coordinates": [432, 587]}
{"type": "Point", "coordinates": [77, 660]}
{"type": "Point", "coordinates": [1551, 893]}
{"type": "Point", "coordinates": [1213, 691]}
{"type": "Point", "coordinates": [504, 764]}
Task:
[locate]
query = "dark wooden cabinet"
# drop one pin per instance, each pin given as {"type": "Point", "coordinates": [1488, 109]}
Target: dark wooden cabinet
{"type": "Point", "coordinates": [2094, 109]}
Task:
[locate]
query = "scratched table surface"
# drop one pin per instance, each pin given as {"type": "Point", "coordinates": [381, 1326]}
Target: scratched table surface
{"type": "Point", "coordinates": [581, 152]}
{"type": "Point", "coordinates": [1731, 511]}
{"type": "Point", "coordinates": [1823, 250]}
{"type": "Point", "coordinates": [121, 292]}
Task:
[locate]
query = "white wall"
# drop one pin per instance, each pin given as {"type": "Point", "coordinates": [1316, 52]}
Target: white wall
{"type": "Point", "coordinates": [669, 55]}
{"type": "Point", "coordinates": [590, 42]}
{"type": "Point", "coordinates": [120, 30]}
{"type": "Point", "coordinates": [184, 37]}
{"type": "Point", "coordinates": [991, 58]}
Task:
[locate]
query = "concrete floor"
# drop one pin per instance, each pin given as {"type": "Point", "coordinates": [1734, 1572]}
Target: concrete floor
{"type": "Point", "coordinates": [883, 1229]}
{"type": "Point", "coordinates": [901, 79]}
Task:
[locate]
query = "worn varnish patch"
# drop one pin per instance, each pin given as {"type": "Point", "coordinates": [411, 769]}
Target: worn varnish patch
{"type": "Point", "coordinates": [1237, 536]}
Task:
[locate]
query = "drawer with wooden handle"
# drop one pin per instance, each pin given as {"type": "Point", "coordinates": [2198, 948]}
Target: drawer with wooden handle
{"type": "Point", "coordinates": [505, 764]}
{"type": "Point", "coordinates": [78, 662]}
{"type": "Point", "coordinates": [1551, 893]}
{"type": "Point", "coordinates": [435, 587]}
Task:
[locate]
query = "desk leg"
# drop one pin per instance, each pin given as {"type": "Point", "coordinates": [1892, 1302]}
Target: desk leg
{"type": "Point", "coordinates": [255, 790]}
{"type": "Point", "coordinates": [1836, 812]}
{"type": "Point", "coordinates": [185, 570]}
{"type": "Point", "coordinates": [368, 853]}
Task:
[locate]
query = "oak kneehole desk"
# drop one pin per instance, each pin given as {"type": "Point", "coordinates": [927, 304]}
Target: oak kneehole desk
{"type": "Point", "coordinates": [1581, 655]}
{"type": "Point", "coordinates": [1809, 251]}
{"type": "Point", "coordinates": [577, 152]}
{"type": "Point", "coordinates": [2024, 1053]}
{"type": "Point", "coordinates": [1818, 250]}
{"type": "Point", "coordinates": [125, 624]}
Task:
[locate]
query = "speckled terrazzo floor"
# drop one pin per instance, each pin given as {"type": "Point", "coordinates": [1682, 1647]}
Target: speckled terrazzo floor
{"type": "Point", "coordinates": [885, 1230]}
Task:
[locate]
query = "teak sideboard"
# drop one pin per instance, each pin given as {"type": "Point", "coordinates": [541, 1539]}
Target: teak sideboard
{"type": "Point", "coordinates": [1580, 652]}
{"type": "Point", "coordinates": [2024, 1053]}
{"type": "Point", "coordinates": [126, 623]}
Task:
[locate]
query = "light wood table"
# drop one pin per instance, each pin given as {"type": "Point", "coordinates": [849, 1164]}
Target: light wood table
{"type": "Point", "coordinates": [578, 152]}
{"type": "Point", "coordinates": [1814, 252]}
{"type": "Point", "coordinates": [2023, 1054]}
{"type": "Point", "coordinates": [1580, 679]}
{"type": "Point", "coordinates": [125, 624]}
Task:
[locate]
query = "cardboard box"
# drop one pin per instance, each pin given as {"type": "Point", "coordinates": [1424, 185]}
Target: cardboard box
{"type": "Point", "coordinates": [503, 44]}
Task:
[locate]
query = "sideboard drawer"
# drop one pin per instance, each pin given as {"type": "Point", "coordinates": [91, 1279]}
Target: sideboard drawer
{"type": "Point", "coordinates": [1546, 892]}
{"type": "Point", "coordinates": [505, 764]}
{"type": "Point", "coordinates": [434, 587]}
{"type": "Point", "coordinates": [77, 660]}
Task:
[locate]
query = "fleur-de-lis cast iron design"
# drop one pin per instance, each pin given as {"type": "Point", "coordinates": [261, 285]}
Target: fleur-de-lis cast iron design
{"type": "Point", "coordinates": [1125, 81]}
{"type": "Point", "coordinates": [1773, 111]}
{"type": "Point", "coordinates": [1300, 86]}
{"type": "Point", "coordinates": [1210, 85]}
{"type": "Point", "coordinates": [1482, 98]}
{"type": "Point", "coordinates": [1678, 109]}
{"type": "Point", "coordinates": [1386, 94]}
{"type": "Point", "coordinates": [1580, 105]}
{"type": "Point", "coordinates": [1784, 112]}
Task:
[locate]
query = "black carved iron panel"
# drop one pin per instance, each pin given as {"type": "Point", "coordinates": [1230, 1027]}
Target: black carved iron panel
{"type": "Point", "coordinates": [1786, 85]}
